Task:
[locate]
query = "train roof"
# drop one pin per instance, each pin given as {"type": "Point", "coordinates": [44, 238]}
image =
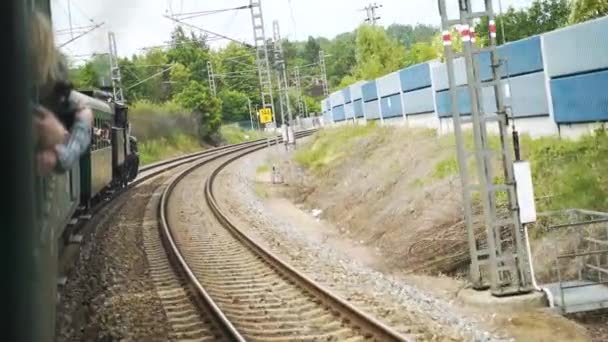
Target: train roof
{"type": "Point", "coordinates": [92, 102]}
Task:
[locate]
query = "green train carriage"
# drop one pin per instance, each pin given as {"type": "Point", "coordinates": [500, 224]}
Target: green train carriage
{"type": "Point", "coordinates": [37, 217]}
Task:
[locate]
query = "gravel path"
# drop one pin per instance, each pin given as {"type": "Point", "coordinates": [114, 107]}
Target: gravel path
{"type": "Point", "coordinates": [109, 295]}
{"type": "Point", "coordinates": [383, 296]}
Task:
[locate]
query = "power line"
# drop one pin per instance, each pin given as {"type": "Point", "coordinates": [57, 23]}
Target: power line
{"type": "Point", "coordinates": [191, 15]}
{"type": "Point", "coordinates": [81, 35]}
{"type": "Point", "coordinates": [207, 31]}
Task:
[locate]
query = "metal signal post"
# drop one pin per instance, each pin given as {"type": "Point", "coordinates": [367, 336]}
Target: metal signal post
{"type": "Point", "coordinates": [300, 100]}
{"type": "Point", "coordinates": [115, 70]}
{"type": "Point", "coordinates": [498, 256]}
{"type": "Point", "coordinates": [211, 78]}
{"type": "Point", "coordinates": [259, 36]}
{"type": "Point", "coordinates": [323, 73]}
{"type": "Point", "coordinates": [283, 84]}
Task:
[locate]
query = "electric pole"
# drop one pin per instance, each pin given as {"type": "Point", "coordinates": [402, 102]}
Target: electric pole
{"type": "Point", "coordinates": [323, 73]}
{"type": "Point", "coordinates": [283, 84]}
{"type": "Point", "coordinates": [259, 36]}
{"type": "Point", "coordinates": [211, 79]}
{"type": "Point", "coordinates": [298, 84]}
{"type": "Point", "coordinates": [498, 257]}
{"type": "Point", "coordinates": [370, 10]}
{"type": "Point", "coordinates": [115, 70]}
{"type": "Point", "coordinates": [250, 113]}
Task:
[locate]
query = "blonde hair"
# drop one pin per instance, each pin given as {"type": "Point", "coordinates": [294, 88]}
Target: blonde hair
{"type": "Point", "coordinates": [44, 55]}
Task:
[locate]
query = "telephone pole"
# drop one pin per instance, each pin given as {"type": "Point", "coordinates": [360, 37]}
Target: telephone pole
{"type": "Point", "coordinates": [211, 78]}
{"type": "Point", "coordinates": [283, 84]}
{"type": "Point", "coordinates": [323, 73]}
{"type": "Point", "coordinates": [372, 17]}
{"type": "Point", "coordinates": [259, 36]}
{"type": "Point", "coordinates": [115, 70]}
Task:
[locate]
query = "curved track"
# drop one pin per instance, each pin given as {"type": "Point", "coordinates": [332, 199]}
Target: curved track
{"type": "Point", "coordinates": [250, 293]}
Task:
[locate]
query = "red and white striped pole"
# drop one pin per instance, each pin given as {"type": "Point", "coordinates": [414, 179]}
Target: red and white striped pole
{"type": "Point", "coordinates": [493, 29]}
{"type": "Point", "coordinates": [447, 38]}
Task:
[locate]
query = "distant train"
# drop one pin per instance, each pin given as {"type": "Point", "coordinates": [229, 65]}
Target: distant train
{"type": "Point", "coordinates": [110, 163]}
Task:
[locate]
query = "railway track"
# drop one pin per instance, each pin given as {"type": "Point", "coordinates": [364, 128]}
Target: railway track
{"type": "Point", "coordinates": [243, 289]}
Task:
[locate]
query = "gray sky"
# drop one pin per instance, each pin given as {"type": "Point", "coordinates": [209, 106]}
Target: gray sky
{"type": "Point", "coordinates": [140, 23]}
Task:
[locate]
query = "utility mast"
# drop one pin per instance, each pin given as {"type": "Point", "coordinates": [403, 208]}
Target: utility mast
{"type": "Point", "coordinates": [283, 84]}
{"type": "Point", "coordinates": [259, 36]}
{"type": "Point", "coordinates": [300, 99]}
{"type": "Point", "coordinates": [115, 70]}
{"type": "Point", "coordinates": [323, 73]}
{"type": "Point", "coordinates": [370, 10]}
{"type": "Point", "coordinates": [211, 78]}
{"type": "Point", "coordinates": [499, 259]}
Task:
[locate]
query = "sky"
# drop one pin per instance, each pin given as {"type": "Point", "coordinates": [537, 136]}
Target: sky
{"type": "Point", "coordinates": [141, 23]}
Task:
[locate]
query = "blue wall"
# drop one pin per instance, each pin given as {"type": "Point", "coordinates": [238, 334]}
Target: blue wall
{"type": "Point", "coordinates": [523, 57]}
{"type": "Point", "coordinates": [444, 103]}
{"type": "Point", "coordinates": [576, 75]}
{"type": "Point", "coordinates": [358, 108]}
{"type": "Point", "coordinates": [369, 91]}
{"type": "Point", "coordinates": [415, 77]}
{"type": "Point", "coordinates": [347, 96]}
{"type": "Point", "coordinates": [339, 114]}
{"type": "Point", "coordinates": [582, 98]}
{"type": "Point", "coordinates": [391, 106]}
{"type": "Point", "coordinates": [372, 111]}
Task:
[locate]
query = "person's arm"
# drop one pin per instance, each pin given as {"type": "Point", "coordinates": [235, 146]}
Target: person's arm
{"type": "Point", "coordinates": [80, 138]}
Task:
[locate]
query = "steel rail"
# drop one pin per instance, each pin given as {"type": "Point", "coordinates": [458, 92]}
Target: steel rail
{"type": "Point", "coordinates": [174, 253]}
{"type": "Point", "coordinates": [370, 325]}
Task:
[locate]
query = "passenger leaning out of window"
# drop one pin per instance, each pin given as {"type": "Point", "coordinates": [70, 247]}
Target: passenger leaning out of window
{"type": "Point", "coordinates": [62, 125]}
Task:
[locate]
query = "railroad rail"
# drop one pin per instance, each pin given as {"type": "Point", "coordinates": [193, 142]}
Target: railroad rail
{"type": "Point", "coordinates": [248, 291]}
{"type": "Point", "coordinates": [81, 226]}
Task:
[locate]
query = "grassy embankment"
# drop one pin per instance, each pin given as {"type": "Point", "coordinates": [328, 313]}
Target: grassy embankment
{"type": "Point", "coordinates": [566, 173]}
{"type": "Point", "coordinates": [167, 130]}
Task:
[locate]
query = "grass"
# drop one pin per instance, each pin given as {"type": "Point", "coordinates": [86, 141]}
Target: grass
{"type": "Point", "coordinates": [233, 134]}
{"type": "Point", "coordinates": [262, 169]}
{"type": "Point", "coordinates": [446, 168]}
{"type": "Point", "coordinates": [568, 173]}
{"type": "Point", "coordinates": [331, 144]}
{"type": "Point", "coordinates": [154, 150]}
{"type": "Point", "coordinates": [260, 190]}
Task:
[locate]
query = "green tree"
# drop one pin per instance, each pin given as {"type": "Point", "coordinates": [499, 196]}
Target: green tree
{"type": "Point", "coordinates": [377, 54]}
{"type": "Point", "coordinates": [583, 10]}
{"type": "Point", "coordinates": [236, 66]}
{"type": "Point", "coordinates": [342, 58]}
{"type": "Point", "coordinates": [541, 16]}
{"type": "Point", "coordinates": [191, 51]}
{"type": "Point", "coordinates": [408, 35]}
{"type": "Point", "coordinates": [197, 98]}
{"type": "Point", "coordinates": [420, 52]}
{"type": "Point", "coordinates": [311, 50]}
{"type": "Point", "coordinates": [235, 106]}
{"type": "Point", "coordinates": [180, 77]}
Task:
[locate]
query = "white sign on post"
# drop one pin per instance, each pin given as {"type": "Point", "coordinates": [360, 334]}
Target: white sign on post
{"type": "Point", "coordinates": [525, 191]}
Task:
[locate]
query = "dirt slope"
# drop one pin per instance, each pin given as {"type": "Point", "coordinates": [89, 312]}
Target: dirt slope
{"type": "Point", "coordinates": [388, 188]}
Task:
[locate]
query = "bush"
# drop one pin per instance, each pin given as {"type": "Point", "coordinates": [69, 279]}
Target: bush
{"type": "Point", "coordinates": [330, 144]}
{"type": "Point", "coordinates": [152, 121]}
{"type": "Point", "coordinates": [233, 134]}
{"type": "Point", "coordinates": [154, 150]}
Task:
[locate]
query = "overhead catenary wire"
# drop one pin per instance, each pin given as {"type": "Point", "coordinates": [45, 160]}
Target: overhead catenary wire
{"type": "Point", "coordinates": [191, 15]}
{"type": "Point", "coordinates": [207, 31]}
{"type": "Point", "coordinates": [81, 35]}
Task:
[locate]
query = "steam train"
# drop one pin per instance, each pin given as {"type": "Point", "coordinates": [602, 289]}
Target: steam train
{"type": "Point", "coordinates": [110, 163]}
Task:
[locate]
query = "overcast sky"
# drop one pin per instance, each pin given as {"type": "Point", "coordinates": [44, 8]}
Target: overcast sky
{"type": "Point", "coordinates": [140, 23]}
